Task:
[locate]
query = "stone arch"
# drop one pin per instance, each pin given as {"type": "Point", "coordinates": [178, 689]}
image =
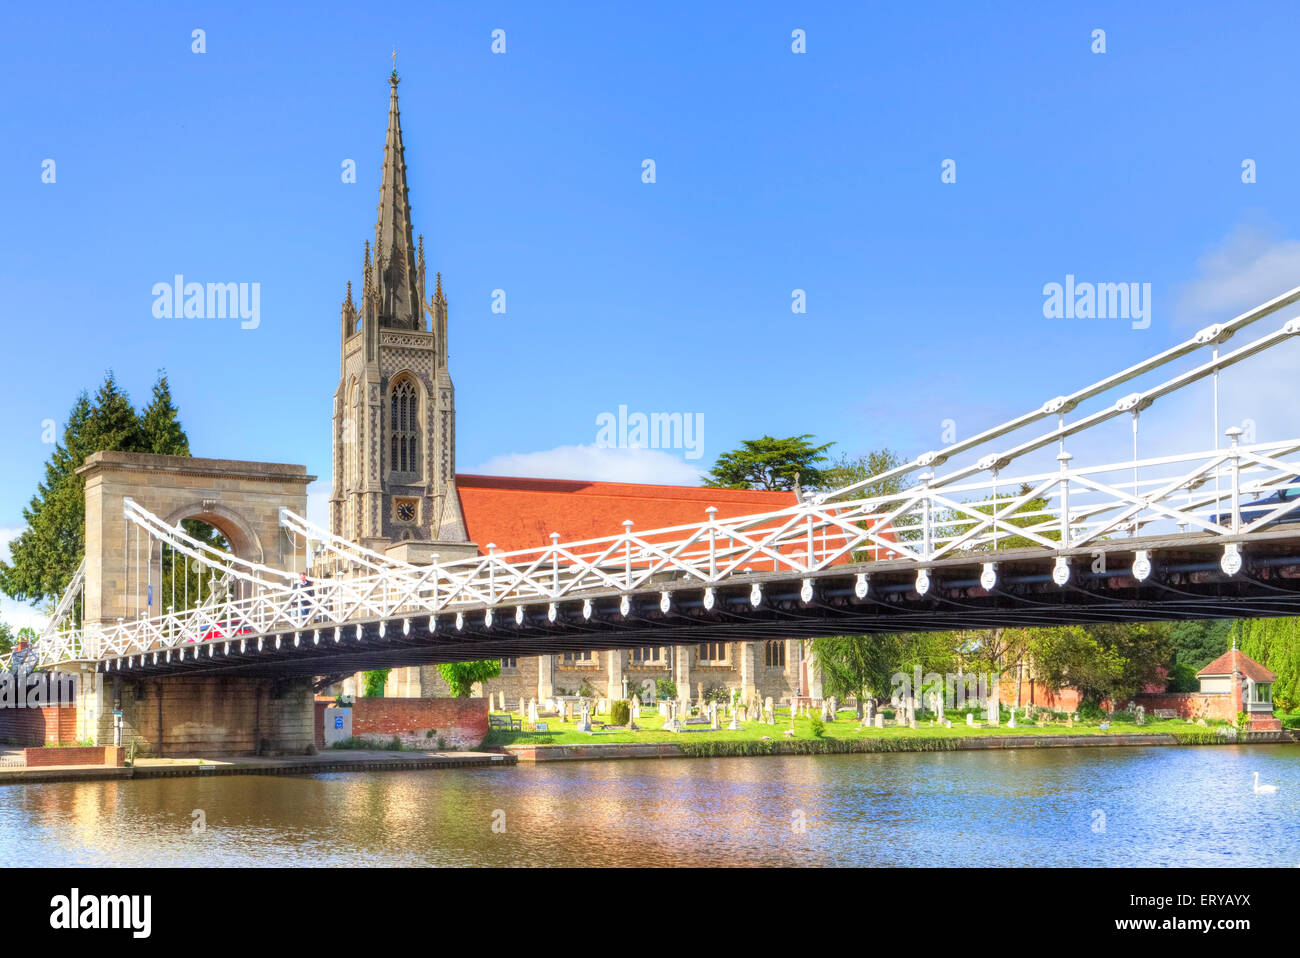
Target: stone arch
{"type": "Point", "coordinates": [242, 500]}
{"type": "Point", "coordinates": [239, 532]}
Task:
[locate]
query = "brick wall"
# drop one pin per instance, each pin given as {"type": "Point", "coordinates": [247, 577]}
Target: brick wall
{"type": "Point", "coordinates": [1190, 705]}
{"type": "Point", "coordinates": [96, 755]}
{"type": "Point", "coordinates": [1036, 693]}
{"type": "Point", "coordinates": [462, 723]}
{"type": "Point", "coordinates": [48, 725]}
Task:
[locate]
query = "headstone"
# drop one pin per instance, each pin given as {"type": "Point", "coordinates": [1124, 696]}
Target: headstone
{"type": "Point", "coordinates": [911, 723]}
{"type": "Point", "coordinates": [672, 723]}
{"type": "Point", "coordinates": [947, 723]}
{"type": "Point", "coordinates": [1011, 722]}
{"type": "Point", "coordinates": [523, 707]}
{"type": "Point", "coordinates": [713, 717]}
{"type": "Point", "coordinates": [625, 687]}
{"type": "Point", "coordinates": [869, 711]}
{"type": "Point", "coordinates": [835, 707]}
{"type": "Point", "coordinates": [532, 712]}
{"type": "Point", "coordinates": [880, 720]}
{"type": "Point", "coordinates": [993, 710]}
{"type": "Point", "coordinates": [635, 708]}
{"type": "Point", "coordinates": [584, 724]}
{"type": "Point", "coordinates": [664, 705]}
{"type": "Point", "coordinates": [970, 720]}
{"type": "Point", "coordinates": [1140, 715]}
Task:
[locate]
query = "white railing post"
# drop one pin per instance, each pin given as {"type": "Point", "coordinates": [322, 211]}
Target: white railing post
{"type": "Point", "coordinates": [555, 564]}
{"type": "Point", "coordinates": [1064, 458]}
{"type": "Point", "coordinates": [1234, 436]}
{"type": "Point", "coordinates": [927, 539]}
{"type": "Point", "coordinates": [627, 553]}
{"type": "Point", "coordinates": [713, 542]}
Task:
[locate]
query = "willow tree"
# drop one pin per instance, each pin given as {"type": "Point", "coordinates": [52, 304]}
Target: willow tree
{"type": "Point", "coordinates": [1275, 644]}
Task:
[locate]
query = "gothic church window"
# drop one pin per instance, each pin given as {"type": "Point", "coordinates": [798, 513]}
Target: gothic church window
{"type": "Point", "coordinates": [404, 428]}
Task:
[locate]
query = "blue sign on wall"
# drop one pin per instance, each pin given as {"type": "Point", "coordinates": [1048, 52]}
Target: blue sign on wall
{"type": "Point", "coordinates": [338, 721]}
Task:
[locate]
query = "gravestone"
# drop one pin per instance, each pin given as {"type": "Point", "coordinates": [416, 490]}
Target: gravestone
{"type": "Point", "coordinates": [584, 724]}
{"type": "Point", "coordinates": [869, 711]}
{"type": "Point", "coordinates": [523, 707]}
{"type": "Point", "coordinates": [1140, 715]}
{"type": "Point", "coordinates": [532, 712]}
{"type": "Point", "coordinates": [635, 708]}
{"type": "Point", "coordinates": [970, 720]}
{"type": "Point", "coordinates": [713, 716]}
{"type": "Point", "coordinates": [672, 723]}
{"type": "Point", "coordinates": [880, 720]}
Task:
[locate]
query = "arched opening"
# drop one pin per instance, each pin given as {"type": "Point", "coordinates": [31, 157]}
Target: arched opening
{"type": "Point", "coordinates": [185, 583]}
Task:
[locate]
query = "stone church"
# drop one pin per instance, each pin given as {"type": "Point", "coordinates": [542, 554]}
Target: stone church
{"type": "Point", "coordinates": [396, 489]}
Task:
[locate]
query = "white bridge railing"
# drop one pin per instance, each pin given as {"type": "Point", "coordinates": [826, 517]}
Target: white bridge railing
{"type": "Point", "coordinates": [1257, 488]}
{"type": "Point", "coordinates": [975, 510]}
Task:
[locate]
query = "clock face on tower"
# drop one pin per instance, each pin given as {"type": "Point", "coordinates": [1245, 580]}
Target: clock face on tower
{"type": "Point", "coordinates": [405, 510]}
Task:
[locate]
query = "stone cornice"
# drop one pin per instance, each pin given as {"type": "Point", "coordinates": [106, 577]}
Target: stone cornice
{"type": "Point", "coordinates": [101, 462]}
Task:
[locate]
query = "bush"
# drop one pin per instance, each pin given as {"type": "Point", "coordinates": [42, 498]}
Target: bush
{"type": "Point", "coordinates": [1183, 679]}
{"type": "Point", "coordinates": [817, 726]}
{"type": "Point", "coordinates": [620, 713]}
{"type": "Point", "coordinates": [1091, 712]}
{"type": "Point", "coordinates": [1122, 717]}
{"type": "Point", "coordinates": [665, 689]}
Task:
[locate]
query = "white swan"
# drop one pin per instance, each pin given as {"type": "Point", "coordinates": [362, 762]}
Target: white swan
{"type": "Point", "coordinates": [1263, 789]}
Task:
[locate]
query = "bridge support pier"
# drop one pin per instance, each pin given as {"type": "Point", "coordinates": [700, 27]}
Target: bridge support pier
{"type": "Point", "coordinates": [203, 715]}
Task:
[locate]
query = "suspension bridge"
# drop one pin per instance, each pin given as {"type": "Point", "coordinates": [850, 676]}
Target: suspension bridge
{"type": "Point", "coordinates": [1004, 528]}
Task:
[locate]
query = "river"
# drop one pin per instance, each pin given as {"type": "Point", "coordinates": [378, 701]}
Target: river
{"type": "Point", "coordinates": [1062, 806]}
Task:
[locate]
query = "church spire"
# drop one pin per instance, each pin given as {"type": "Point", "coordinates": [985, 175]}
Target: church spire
{"type": "Point", "coordinates": [399, 303]}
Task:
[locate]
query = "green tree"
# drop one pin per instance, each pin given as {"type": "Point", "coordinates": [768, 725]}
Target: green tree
{"type": "Point", "coordinates": [45, 554]}
{"type": "Point", "coordinates": [9, 637]}
{"type": "Point", "coordinates": [846, 470]}
{"type": "Point", "coordinates": [462, 676]}
{"type": "Point", "coordinates": [1198, 642]}
{"type": "Point", "coordinates": [1275, 644]}
{"type": "Point", "coordinates": [160, 426]}
{"type": "Point", "coordinates": [1109, 661]}
{"type": "Point", "coordinates": [865, 665]}
{"type": "Point", "coordinates": [769, 463]}
{"type": "Point", "coordinates": [376, 680]}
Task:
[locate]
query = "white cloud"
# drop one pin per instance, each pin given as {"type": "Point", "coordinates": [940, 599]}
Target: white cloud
{"type": "Point", "coordinates": [1250, 266]}
{"type": "Point", "coordinates": [596, 463]}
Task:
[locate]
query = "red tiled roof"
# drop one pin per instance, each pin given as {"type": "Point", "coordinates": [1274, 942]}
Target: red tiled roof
{"type": "Point", "coordinates": [519, 513]}
{"type": "Point", "coordinates": [1247, 666]}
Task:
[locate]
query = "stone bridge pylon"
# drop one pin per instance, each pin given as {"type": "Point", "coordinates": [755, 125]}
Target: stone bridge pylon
{"type": "Point", "coordinates": [189, 715]}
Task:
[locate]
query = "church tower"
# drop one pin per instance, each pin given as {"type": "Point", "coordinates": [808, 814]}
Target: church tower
{"type": "Point", "coordinates": [394, 409]}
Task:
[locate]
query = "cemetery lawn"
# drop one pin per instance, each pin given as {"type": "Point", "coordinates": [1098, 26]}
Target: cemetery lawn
{"type": "Point", "coordinates": [845, 728]}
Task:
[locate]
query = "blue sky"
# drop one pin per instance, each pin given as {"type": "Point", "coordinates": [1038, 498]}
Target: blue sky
{"type": "Point", "coordinates": [775, 171]}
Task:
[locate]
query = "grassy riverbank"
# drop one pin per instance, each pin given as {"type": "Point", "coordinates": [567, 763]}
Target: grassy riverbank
{"type": "Point", "coordinates": [835, 736]}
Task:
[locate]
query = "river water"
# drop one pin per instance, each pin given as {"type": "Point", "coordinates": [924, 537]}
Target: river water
{"type": "Point", "coordinates": [1084, 806]}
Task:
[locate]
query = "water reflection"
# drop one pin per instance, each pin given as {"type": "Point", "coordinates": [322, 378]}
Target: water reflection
{"type": "Point", "coordinates": [1155, 806]}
